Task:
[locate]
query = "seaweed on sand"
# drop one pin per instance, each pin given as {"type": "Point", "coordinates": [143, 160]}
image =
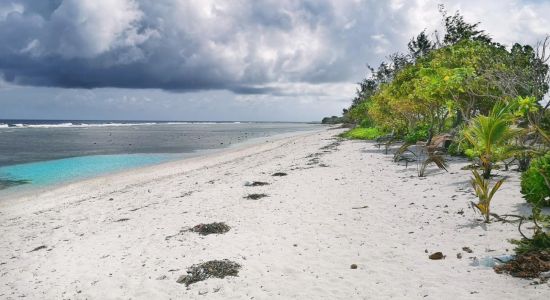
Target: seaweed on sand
{"type": "Point", "coordinates": [331, 146]}
{"type": "Point", "coordinates": [527, 265]}
{"type": "Point", "coordinates": [256, 183]}
{"type": "Point", "coordinates": [279, 174]}
{"type": "Point", "coordinates": [211, 228]}
{"type": "Point", "coordinates": [212, 268]}
{"type": "Point", "coordinates": [255, 196]}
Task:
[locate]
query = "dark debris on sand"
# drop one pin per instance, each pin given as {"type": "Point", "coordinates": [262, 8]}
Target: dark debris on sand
{"type": "Point", "coordinates": [39, 248]}
{"type": "Point", "coordinates": [436, 256]}
{"type": "Point", "coordinates": [279, 174]}
{"type": "Point", "coordinates": [211, 228]}
{"type": "Point", "coordinates": [257, 183]}
{"type": "Point", "coordinates": [527, 265]}
{"type": "Point", "coordinates": [213, 268]}
{"type": "Point", "coordinates": [255, 196]}
{"type": "Point", "coordinates": [331, 146]}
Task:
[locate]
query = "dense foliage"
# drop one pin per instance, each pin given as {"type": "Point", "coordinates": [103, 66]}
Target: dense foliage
{"type": "Point", "coordinates": [363, 133]}
{"type": "Point", "coordinates": [535, 182]}
{"type": "Point", "coordinates": [333, 120]}
{"type": "Point", "coordinates": [442, 84]}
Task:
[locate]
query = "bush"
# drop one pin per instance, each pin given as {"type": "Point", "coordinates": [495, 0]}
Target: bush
{"type": "Point", "coordinates": [534, 185]}
{"type": "Point", "coordinates": [366, 123]}
{"type": "Point", "coordinates": [539, 241]}
{"type": "Point", "coordinates": [455, 149]}
{"type": "Point", "coordinates": [359, 133]}
{"type": "Point", "coordinates": [419, 133]}
{"type": "Point", "coordinates": [332, 120]}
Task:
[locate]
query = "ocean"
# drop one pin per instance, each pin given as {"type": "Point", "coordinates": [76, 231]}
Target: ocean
{"type": "Point", "coordinates": [38, 153]}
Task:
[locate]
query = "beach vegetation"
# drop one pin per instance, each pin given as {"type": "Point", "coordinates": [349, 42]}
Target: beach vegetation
{"type": "Point", "coordinates": [535, 182]}
{"type": "Point", "coordinates": [419, 133]}
{"type": "Point", "coordinates": [333, 120]}
{"type": "Point", "coordinates": [460, 80]}
{"type": "Point", "coordinates": [487, 101]}
{"type": "Point", "coordinates": [484, 193]}
{"type": "Point", "coordinates": [360, 133]}
{"type": "Point", "coordinates": [432, 158]}
{"type": "Point", "coordinates": [489, 136]}
{"type": "Point", "coordinates": [539, 241]}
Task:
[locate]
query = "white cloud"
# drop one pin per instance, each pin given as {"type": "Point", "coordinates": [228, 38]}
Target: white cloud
{"type": "Point", "coordinates": [90, 28]}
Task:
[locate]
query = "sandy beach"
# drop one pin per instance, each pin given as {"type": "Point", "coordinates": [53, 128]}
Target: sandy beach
{"type": "Point", "coordinates": [342, 202]}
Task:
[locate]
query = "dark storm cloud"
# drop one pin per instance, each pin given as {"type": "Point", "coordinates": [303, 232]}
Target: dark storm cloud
{"type": "Point", "coordinates": [248, 47]}
{"type": "Point", "coordinates": [188, 45]}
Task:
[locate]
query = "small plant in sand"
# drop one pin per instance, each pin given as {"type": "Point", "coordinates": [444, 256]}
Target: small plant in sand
{"type": "Point", "coordinates": [436, 159]}
{"type": "Point", "coordinates": [483, 193]}
{"type": "Point", "coordinates": [423, 158]}
{"type": "Point", "coordinates": [404, 153]}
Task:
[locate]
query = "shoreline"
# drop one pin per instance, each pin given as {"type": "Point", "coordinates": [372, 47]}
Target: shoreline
{"type": "Point", "coordinates": [25, 192]}
{"type": "Point", "coordinates": [342, 203]}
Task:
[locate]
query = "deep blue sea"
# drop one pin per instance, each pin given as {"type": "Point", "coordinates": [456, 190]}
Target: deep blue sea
{"type": "Point", "coordinates": [38, 153]}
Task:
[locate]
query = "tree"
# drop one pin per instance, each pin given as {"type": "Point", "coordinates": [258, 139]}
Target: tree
{"type": "Point", "coordinates": [420, 46]}
{"type": "Point", "coordinates": [456, 29]}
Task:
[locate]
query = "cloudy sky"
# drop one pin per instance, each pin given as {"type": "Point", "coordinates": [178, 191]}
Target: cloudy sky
{"type": "Point", "coordinates": [216, 60]}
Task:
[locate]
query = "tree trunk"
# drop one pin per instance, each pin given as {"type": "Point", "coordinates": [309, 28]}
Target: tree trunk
{"type": "Point", "coordinates": [459, 119]}
{"type": "Point", "coordinates": [487, 170]}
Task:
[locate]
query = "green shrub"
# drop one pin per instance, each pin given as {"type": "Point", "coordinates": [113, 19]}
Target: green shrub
{"type": "Point", "coordinates": [534, 185]}
{"type": "Point", "coordinates": [455, 149]}
{"type": "Point", "coordinates": [419, 133]}
{"type": "Point", "coordinates": [539, 241]}
{"type": "Point", "coordinates": [365, 123]}
{"type": "Point", "coordinates": [359, 133]}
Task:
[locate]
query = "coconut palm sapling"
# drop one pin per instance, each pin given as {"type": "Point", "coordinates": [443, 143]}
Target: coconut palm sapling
{"type": "Point", "coordinates": [484, 194]}
{"type": "Point", "coordinates": [489, 135]}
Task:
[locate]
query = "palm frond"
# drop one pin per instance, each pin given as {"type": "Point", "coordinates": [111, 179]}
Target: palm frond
{"type": "Point", "coordinates": [438, 160]}
{"type": "Point", "coordinates": [402, 150]}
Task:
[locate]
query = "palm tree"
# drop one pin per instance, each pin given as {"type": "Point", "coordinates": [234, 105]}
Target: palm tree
{"type": "Point", "coordinates": [489, 136]}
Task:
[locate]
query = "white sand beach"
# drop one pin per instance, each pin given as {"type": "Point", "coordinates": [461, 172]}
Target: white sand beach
{"type": "Point", "coordinates": [106, 238]}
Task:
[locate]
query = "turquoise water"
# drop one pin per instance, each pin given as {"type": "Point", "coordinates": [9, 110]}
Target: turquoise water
{"type": "Point", "coordinates": [39, 174]}
{"type": "Point", "coordinates": [39, 154]}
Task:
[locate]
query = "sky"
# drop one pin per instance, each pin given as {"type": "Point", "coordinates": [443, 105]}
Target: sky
{"type": "Point", "coordinates": [256, 60]}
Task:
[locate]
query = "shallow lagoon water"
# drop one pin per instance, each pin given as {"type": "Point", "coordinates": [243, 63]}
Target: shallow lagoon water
{"type": "Point", "coordinates": [42, 155]}
{"type": "Point", "coordinates": [74, 168]}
